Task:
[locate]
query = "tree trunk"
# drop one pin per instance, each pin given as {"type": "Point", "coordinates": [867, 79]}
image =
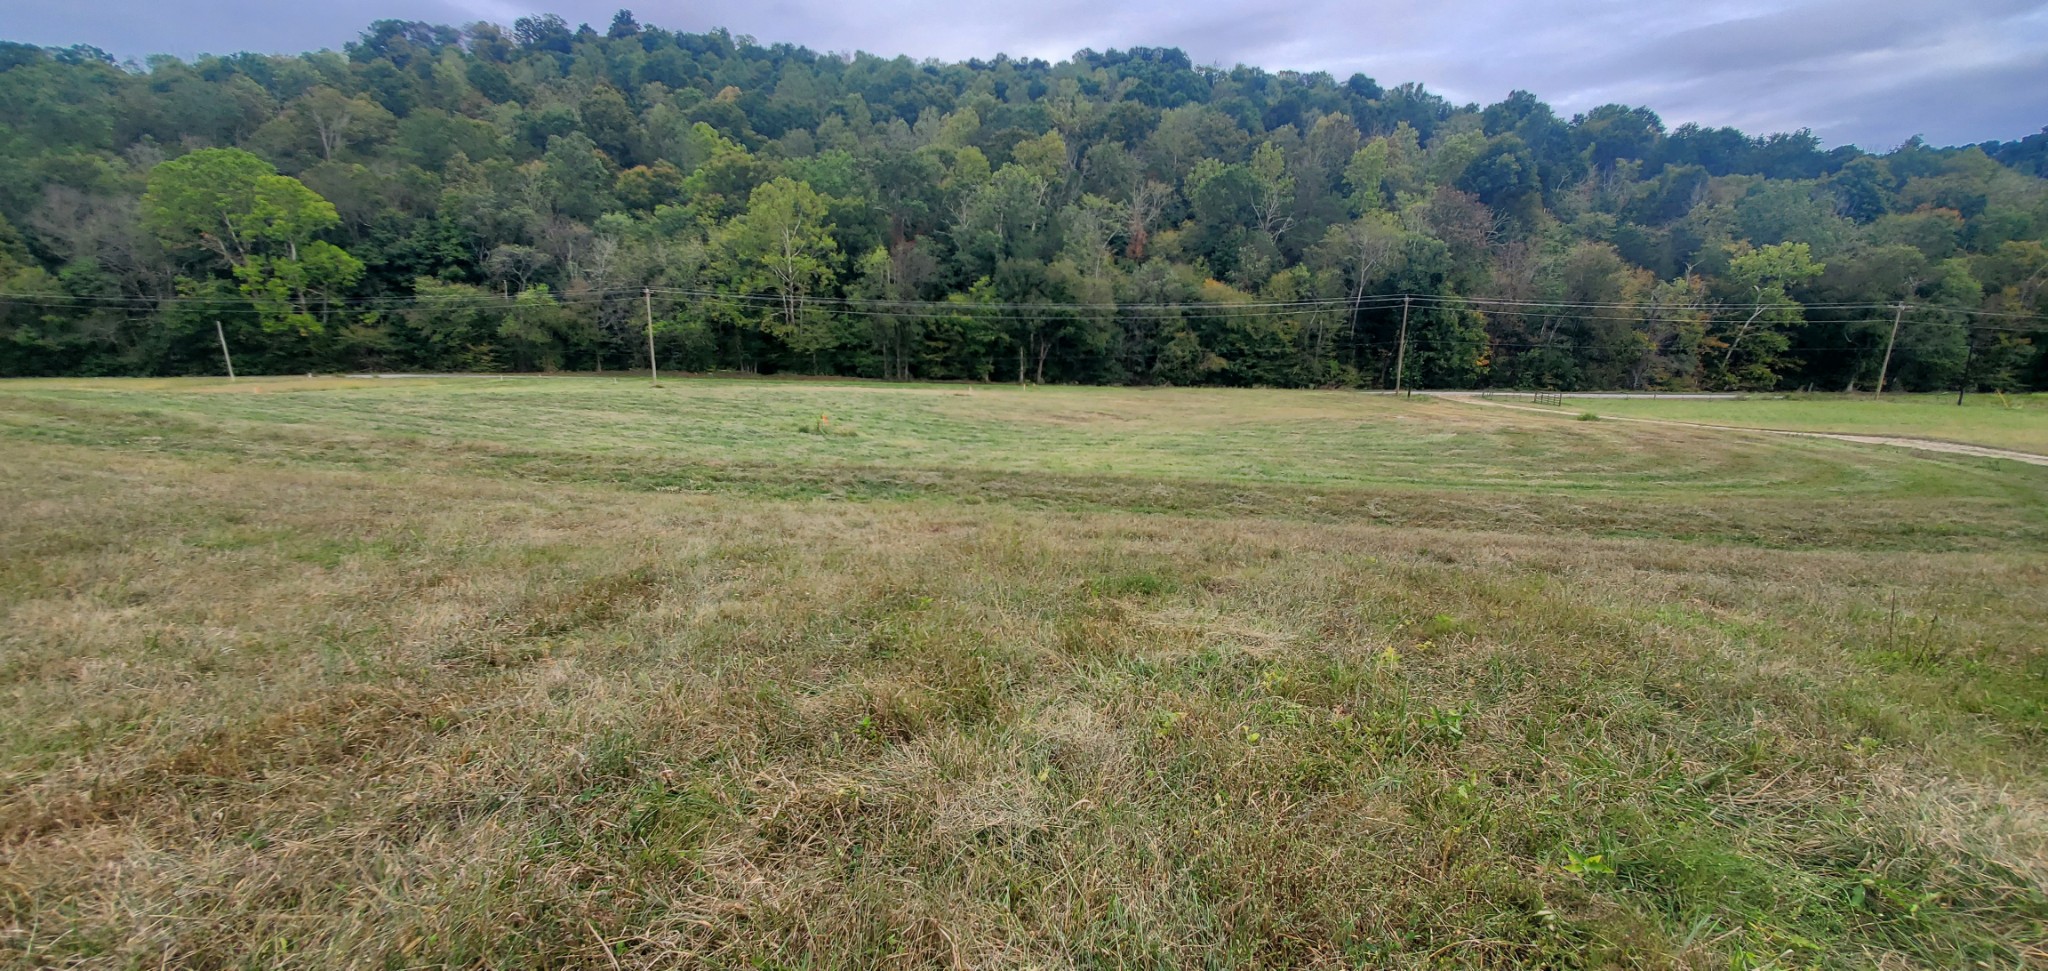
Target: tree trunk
{"type": "Point", "coordinates": [1740, 333]}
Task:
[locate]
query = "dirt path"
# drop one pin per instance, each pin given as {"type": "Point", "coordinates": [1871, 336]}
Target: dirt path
{"type": "Point", "coordinates": [1922, 444]}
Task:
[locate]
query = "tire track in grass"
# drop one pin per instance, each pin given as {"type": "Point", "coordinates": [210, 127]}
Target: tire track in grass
{"type": "Point", "coordinates": [1895, 441]}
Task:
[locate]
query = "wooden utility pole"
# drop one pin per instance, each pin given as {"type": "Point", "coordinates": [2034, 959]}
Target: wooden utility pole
{"type": "Point", "coordinates": [1885, 368]}
{"type": "Point", "coordinates": [653, 375]}
{"type": "Point", "coordinates": [223, 335]}
{"type": "Point", "coordinates": [1401, 355]}
{"type": "Point", "coordinates": [1969, 358]}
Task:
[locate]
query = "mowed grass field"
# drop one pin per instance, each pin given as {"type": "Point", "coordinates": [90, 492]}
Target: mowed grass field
{"type": "Point", "coordinates": [511, 673]}
{"type": "Point", "coordinates": [2018, 422]}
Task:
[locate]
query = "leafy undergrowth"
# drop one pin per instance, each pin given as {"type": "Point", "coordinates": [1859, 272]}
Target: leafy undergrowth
{"type": "Point", "coordinates": [267, 707]}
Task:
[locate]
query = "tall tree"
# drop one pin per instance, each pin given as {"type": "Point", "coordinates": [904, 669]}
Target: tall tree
{"type": "Point", "coordinates": [779, 246]}
{"type": "Point", "coordinates": [262, 225]}
{"type": "Point", "coordinates": [1754, 349]}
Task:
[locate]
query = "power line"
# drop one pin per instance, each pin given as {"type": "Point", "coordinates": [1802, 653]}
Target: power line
{"type": "Point", "coordinates": [1823, 305]}
{"type": "Point", "coordinates": [938, 309]}
{"type": "Point", "coordinates": [1328, 302]}
{"type": "Point", "coordinates": [365, 303]}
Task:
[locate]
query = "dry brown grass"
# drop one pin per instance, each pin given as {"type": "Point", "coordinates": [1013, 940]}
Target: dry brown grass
{"type": "Point", "coordinates": [286, 713]}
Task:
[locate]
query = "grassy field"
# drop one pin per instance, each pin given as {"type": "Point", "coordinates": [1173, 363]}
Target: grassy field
{"type": "Point", "coordinates": [2018, 422]}
{"type": "Point", "coordinates": [510, 673]}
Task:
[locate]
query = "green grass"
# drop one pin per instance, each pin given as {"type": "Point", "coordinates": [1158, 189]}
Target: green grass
{"type": "Point", "coordinates": [1315, 438]}
{"type": "Point", "coordinates": [491, 673]}
{"type": "Point", "coordinates": [2018, 422]}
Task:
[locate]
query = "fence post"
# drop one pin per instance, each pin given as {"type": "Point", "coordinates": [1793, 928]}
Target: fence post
{"type": "Point", "coordinates": [1969, 341]}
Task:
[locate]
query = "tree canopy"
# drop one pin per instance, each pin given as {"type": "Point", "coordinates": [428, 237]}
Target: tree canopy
{"type": "Point", "coordinates": [483, 198]}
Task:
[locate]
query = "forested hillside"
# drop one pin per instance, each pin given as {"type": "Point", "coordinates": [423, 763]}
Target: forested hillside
{"type": "Point", "coordinates": [479, 199]}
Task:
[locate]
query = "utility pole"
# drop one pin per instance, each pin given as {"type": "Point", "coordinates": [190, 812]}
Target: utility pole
{"type": "Point", "coordinates": [653, 376]}
{"type": "Point", "coordinates": [1969, 341]}
{"type": "Point", "coordinates": [1401, 355]}
{"type": "Point", "coordinates": [223, 335]}
{"type": "Point", "coordinates": [1886, 367]}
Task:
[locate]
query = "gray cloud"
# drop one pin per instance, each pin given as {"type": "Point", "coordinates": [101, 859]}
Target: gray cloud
{"type": "Point", "coordinates": [1872, 72]}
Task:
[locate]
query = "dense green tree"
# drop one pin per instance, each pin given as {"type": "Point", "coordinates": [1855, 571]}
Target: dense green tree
{"type": "Point", "coordinates": [779, 248]}
{"type": "Point", "coordinates": [1121, 216]}
{"type": "Point", "coordinates": [609, 122]}
{"type": "Point", "coordinates": [1752, 351]}
{"type": "Point", "coordinates": [262, 225]}
{"type": "Point", "coordinates": [1614, 133]}
{"type": "Point", "coordinates": [1863, 189]}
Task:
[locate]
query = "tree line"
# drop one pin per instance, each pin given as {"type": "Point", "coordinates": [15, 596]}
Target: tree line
{"type": "Point", "coordinates": [483, 199]}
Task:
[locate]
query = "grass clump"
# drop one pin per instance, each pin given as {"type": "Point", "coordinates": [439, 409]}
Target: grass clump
{"type": "Point", "coordinates": [823, 425]}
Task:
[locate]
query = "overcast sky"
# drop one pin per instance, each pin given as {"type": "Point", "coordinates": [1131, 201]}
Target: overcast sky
{"type": "Point", "coordinates": [1871, 72]}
